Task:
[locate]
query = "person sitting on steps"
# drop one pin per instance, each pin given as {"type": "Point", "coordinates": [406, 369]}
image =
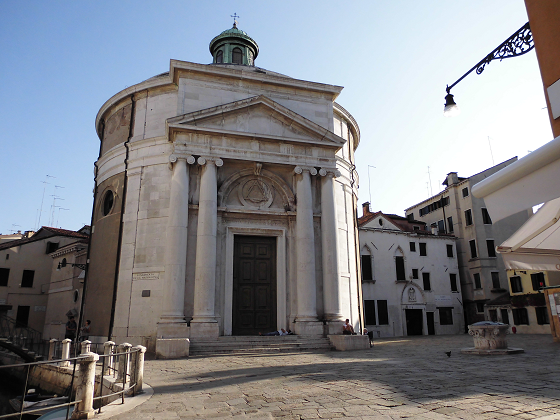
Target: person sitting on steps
{"type": "Point", "coordinates": [347, 328]}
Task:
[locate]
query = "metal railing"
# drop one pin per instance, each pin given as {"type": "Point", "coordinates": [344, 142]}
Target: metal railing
{"type": "Point", "coordinates": [87, 382]}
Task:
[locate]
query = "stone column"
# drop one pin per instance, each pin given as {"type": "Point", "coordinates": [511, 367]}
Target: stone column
{"type": "Point", "coordinates": [85, 387]}
{"type": "Point", "coordinates": [172, 322]}
{"type": "Point", "coordinates": [306, 318]}
{"type": "Point", "coordinates": [124, 358]}
{"type": "Point", "coordinates": [86, 347]}
{"type": "Point", "coordinates": [65, 351]}
{"type": "Point", "coordinates": [137, 368]}
{"type": "Point", "coordinates": [329, 243]}
{"type": "Point", "coordinates": [52, 348]}
{"type": "Point", "coordinates": [109, 361]}
{"type": "Point", "coordinates": [204, 322]}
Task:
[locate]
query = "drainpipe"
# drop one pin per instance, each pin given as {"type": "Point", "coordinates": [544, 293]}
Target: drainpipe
{"type": "Point", "coordinates": [119, 243]}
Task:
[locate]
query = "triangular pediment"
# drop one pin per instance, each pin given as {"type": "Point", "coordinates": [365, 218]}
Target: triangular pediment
{"type": "Point", "coordinates": [381, 222]}
{"type": "Point", "coordinates": [257, 117]}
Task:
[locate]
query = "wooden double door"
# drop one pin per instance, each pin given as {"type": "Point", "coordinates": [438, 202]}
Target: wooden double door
{"type": "Point", "coordinates": [254, 285]}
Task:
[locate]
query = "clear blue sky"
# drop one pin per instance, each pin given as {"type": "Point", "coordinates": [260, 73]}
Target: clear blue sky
{"type": "Point", "coordinates": [61, 60]}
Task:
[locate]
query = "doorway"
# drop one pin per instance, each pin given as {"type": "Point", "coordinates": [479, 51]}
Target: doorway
{"type": "Point", "coordinates": [22, 316]}
{"type": "Point", "coordinates": [430, 322]}
{"type": "Point", "coordinates": [254, 285]}
{"type": "Point", "coordinates": [414, 322]}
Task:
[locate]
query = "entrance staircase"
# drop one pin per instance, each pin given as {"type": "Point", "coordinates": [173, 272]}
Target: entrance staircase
{"type": "Point", "coordinates": [22, 340]}
{"type": "Point", "coordinates": [248, 345]}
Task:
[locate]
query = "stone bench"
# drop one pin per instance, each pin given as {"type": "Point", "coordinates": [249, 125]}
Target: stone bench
{"type": "Point", "coordinates": [349, 342]}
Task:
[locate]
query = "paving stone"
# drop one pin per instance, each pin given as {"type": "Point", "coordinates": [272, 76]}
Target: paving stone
{"type": "Point", "coordinates": [398, 378]}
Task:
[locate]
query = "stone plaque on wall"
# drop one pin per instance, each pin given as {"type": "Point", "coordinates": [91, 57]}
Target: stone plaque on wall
{"type": "Point", "coordinates": [145, 276]}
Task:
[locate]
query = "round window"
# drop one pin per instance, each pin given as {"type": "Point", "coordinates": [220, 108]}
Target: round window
{"type": "Point", "coordinates": [76, 295]}
{"type": "Point", "coordinates": [380, 222]}
{"type": "Point", "coordinates": [108, 202]}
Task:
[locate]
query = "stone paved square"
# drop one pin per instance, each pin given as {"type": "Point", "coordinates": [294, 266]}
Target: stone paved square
{"type": "Point", "coordinates": [407, 377]}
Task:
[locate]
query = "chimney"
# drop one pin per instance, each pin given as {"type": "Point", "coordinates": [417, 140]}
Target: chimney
{"type": "Point", "coordinates": [452, 178]}
{"type": "Point", "coordinates": [365, 208]}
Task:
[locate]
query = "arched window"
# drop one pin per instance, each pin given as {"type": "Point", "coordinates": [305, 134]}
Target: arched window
{"type": "Point", "coordinates": [237, 56]}
{"type": "Point", "coordinates": [108, 202]}
{"type": "Point", "coordinates": [220, 57]}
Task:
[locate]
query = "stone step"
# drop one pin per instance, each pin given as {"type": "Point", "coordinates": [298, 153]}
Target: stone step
{"type": "Point", "coordinates": [258, 344]}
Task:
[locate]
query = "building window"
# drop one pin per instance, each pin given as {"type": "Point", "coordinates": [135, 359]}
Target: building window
{"type": "Point", "coordinates": [486, 217]}
{"type": "Point", "coordinates": [426, 281]}
{"type": "Point", "coordinates": [367, 272]}
{"type": "Point", "coordinates": [4, 275]}
{"type": "Point", "coordinates": [237, 56]}
{"type": "Point", "coordinates": [369, 312]}
{"type": "Point", "coordinates": [491, 248]}
{"type": "Point", "coordinates": [51, 247]}
{"type": "Point", "coordinates": [468, 217]}
{"type": "Point", "coordinates": [450, 224]}
{"type": "Point", "coordinates": [472, 244]}
{"type": "Point", "coordinates": [453, 281]}
{"type": "Point", "coordinates": [516, 285]}
{"type": "Point", "coordinates": [520, 316]}
{"type": "Point", "coordinates": [423, 250]}
{"type": "Point", "coordinates": [382, 312]}
{"type": "Point", "coordinates": [108, 201]}
{"type": "Point", "coordinates": [220, 57]}
{"type": "Point", "coordinates": [542, 315]}
{"type": "Point", "coordinates": [416, 228]}
{"type": "Point", "coordinates": [505, 316]}
{"type": "Point", "coordinates": [27, 278]}
{"type": "Point", "coordinates": [477, 284]}
{"type": "Point", "coordinates": [412, 246]}
{"type": "Point", "coordinates": [493, 315]}
{"type": "Point", "coordinates": [450, 251]}
{"type": "Point", "coordinates": [465, 192]}
{"type": "Point", "coordinates": [399, 265]}
{"type": "Point", "coordinates": [480, 307]}
{"type": "Point", "coordinates": [410, 217]}
{"type": "Point", "coordinates": [445, 316]}
{"type": "Point", "coordinates": [441, 226]}
{"type": "Point", "coordinates": [415, 273]}
{"type": "Point", "coordinates": [537, 279]}
{"type": "Point", "coordinates": [495, 280]}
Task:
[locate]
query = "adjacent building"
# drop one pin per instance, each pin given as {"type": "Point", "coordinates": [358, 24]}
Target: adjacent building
{"type": "Point", "coordinates": [456, 211]}
{"type": "Point", "coordinates": [26, 267]}
{"type": "Point", "coordinates": [410, 277]}
{"type": "Point", "coordinates": [225, 204]}
{"type": "Point", "coordinates": [526, 309]}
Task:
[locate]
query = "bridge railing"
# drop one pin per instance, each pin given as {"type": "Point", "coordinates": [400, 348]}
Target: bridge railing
{"type": "Point", "coordinates": [124, 362]}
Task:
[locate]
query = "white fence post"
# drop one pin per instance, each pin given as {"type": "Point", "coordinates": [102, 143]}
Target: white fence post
{"type": "Point", "coordinates": [123, 360]}
{"type": "Point", "coordinates": [52, 348]}
{"type": "Point", "coordinates": [86, 347]}
{"type": "Point", "coordinates": [137, 368]}
{"type": "Point", "coordinates": [110, 362]}
{"type": "Point", "coordinates": [65, 351]}
{"type": "Point", "coordinates": [85, 387]}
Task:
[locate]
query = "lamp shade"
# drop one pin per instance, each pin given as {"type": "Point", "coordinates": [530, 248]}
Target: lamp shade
{"type": "Point", "coordinates": [451, 109]}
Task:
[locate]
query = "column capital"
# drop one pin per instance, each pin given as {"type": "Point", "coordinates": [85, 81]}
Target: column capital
{"type": "Point", "coordinates": [203, 160]}
{"type": "Point", "coordinates": [335, 173]}
{"type": "Point", "coordinates": [301, 169]}
{"type": "Point", "coordinates": [173, 157]}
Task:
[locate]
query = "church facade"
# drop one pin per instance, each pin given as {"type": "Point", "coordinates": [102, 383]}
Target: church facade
{"type": "Point", "coordinates": [225, 202]}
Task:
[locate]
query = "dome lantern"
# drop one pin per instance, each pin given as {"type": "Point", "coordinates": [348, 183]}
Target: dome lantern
{"type": "Point", "coordinates": [234, 46]}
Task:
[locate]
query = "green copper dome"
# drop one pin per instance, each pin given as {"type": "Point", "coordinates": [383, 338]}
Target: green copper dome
{"type": "Point", "coordinates": [234, 46]}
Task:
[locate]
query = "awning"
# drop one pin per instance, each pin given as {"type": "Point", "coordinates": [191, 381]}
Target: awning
{"type": "Point", "coordinates": [531, 180]}
{"type": "Point", "coordinates": [536, 245]}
